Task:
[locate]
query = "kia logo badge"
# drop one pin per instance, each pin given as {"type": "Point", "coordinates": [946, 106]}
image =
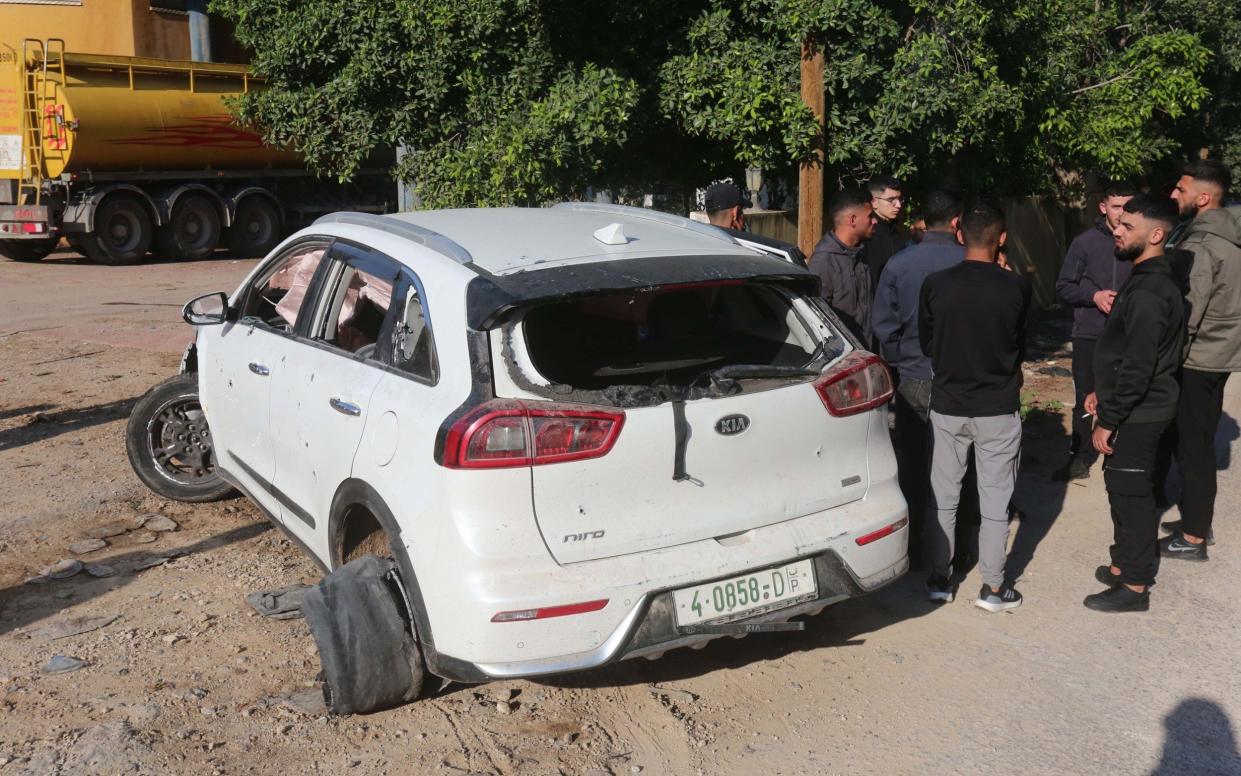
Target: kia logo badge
{"type": "Point", "coordinates": [731, 425]}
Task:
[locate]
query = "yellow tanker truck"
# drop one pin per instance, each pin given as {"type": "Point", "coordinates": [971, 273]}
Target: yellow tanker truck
{"type": "Point", "coordinates": [125, 155]}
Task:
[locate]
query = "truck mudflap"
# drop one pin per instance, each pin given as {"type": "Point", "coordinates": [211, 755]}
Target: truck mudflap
{"type": "Point", "coordinates": [366, 648]}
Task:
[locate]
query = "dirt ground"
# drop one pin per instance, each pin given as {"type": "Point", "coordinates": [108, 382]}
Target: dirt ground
{"type": "Point", "coordinates": [186, 678]}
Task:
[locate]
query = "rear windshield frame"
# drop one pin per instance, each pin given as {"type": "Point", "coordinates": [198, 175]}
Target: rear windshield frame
{"type": "Point", "coordinates": [638, 395]}
{"type": "Point", "coordinates": [492, 299]}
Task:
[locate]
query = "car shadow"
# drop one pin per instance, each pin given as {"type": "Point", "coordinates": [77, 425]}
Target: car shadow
{"type": "Point", "coordinates": [843, 625]}
{"type": "Point", "coordinates": [24, 604]}
{"type": "Point", "coordinates": [1199, 740]}
{"type": "Point", "coordinates": [13, 412]}
{"type": "Point", "coordinates": [46, 425]}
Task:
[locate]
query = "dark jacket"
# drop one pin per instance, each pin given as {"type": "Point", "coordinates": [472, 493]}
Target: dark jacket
{"type": "Point", "coordinates": [1139, 352]}
{"type": "Point", "coordinates": [895, 312]}
{"type": "Point", "coordinates": [1090, 266]}
{"type": "Point", "coordinates": [972, 323]}
{"type": "Point", "coordinates": [1214, 323]}
{"type": "Point", "coordinates": [847, 285]}
{"type": "Point", "coordinates": [887, 241]}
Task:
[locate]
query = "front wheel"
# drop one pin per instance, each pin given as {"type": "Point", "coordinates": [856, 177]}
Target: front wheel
{"type": "Point", "coordinates": [170, 445]}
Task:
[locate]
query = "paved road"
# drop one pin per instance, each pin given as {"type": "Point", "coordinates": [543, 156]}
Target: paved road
{"type": "Point", "coordinates": [888, 684]}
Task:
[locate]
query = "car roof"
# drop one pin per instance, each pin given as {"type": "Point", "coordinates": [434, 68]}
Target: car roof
{"type": "Point", "coordinates": [501, 241]}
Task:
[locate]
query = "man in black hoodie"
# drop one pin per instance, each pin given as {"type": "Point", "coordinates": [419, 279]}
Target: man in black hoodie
{"type": "Point", "coordinates": [889, 237]}
{"type": "Point", "coordinates": [1088, 281]}
{"type": "Point", "coordinates": [1136, 362]}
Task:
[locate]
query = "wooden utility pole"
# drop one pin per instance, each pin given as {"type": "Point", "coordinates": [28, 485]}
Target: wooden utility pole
{"type": "Point", "coordinates": [810, 185]}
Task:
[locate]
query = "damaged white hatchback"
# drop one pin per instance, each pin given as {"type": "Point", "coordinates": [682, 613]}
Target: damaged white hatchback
{"type": "Point", "coordinates": [529, 441]}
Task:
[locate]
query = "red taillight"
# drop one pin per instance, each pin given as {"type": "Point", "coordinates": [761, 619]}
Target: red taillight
{"type": "Point", "coordinates": [887, 530]}
{"type": "Point", "coordinates": [505, 433]}
{"type": "Point", "coordinates": [859, 382]}
{"type": "Point", "coordinates": [543, 613]}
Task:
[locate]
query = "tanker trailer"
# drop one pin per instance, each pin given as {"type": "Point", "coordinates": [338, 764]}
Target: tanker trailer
{"type": "Point", "coordinates": [122, 155]}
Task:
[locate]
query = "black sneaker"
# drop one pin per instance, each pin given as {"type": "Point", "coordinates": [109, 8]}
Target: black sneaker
{"type": "Point", "coordinates": [939, 589]}
{"type": "Point", "coordinates": [1174, 526]}
{"type": "Point", "coordinates": [1075, 469]}
{"type": "Point", "coordinates": [998, 600]}
{"type": "Point", "coordinates": [1119, 599]}
{"type": "Point", "coordinates": [1105, 576]}
{"type": "Point", "coordinates": [1175, 546]}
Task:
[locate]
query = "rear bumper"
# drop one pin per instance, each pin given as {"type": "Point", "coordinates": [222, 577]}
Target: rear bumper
{"type": "Point", "coordinates": [650, 628]}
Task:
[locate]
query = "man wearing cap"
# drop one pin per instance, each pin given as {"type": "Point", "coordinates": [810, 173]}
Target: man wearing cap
{"type": "Point", "coordinates": [725, 206]}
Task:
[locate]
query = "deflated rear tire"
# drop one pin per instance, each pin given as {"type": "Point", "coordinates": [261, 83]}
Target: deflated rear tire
{"type": "Point", "coordinates": [170, 445]}
{"type": "Point", "coordinates": [370, 658]}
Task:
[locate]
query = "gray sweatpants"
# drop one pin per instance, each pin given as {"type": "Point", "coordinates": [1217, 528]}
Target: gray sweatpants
{"type": "Point", "coordinates": [997, 454]}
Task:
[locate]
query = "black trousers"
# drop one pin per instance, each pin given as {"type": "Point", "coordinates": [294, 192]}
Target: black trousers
{"type": "Point", "coordinates": [1083, 385]}
{"type": "Point", "coordinates": [912, 405]}
{"type": "Point", "coordinates": [1129, 475]}
{"type": "Point", "coordinates": [1197, 419]}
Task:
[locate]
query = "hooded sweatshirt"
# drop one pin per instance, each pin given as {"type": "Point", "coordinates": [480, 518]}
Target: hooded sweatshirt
{"type": "Point", "coordinates": [1214, 319]}
{"type": "Point", "coordinates": [1091, 266]}
{"type": "Point", "coordinates": [847, 284]}
{"type": "Point", "coordinates": [1139, 351]}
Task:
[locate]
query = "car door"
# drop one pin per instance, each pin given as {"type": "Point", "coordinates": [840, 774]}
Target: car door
{"type": "Point", "coordinates": [237, 365]}
{"type": "Point", "coordinates": [320, 404]}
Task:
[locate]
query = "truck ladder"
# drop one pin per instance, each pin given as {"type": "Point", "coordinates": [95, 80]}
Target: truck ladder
{"type": "Point", "coordinates": [36, 56]}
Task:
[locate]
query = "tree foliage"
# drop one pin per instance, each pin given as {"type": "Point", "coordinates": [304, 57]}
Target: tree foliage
{"type": "Point", "coordinates": [525, 101]}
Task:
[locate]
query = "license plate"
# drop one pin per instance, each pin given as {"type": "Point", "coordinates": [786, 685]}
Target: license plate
{"type": "Point", "coordinates": [746, 595]}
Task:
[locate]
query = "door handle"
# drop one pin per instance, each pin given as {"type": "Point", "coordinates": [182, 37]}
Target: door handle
{"type": "Point", "coordinates": [259, 369]}
{"type": "Point", "coordinates": [344, 407]}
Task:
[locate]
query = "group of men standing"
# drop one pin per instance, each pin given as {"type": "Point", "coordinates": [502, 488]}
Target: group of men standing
{"type": "Point", "coordinates": [949, 316]}
{"type": "Point", "coordinates": [1156, 333]}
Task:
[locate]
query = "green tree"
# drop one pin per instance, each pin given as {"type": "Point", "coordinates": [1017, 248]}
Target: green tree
{"type": "Point", "coordinates": [522, 101]}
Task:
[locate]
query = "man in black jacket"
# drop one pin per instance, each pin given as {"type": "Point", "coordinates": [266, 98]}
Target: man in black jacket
{"type": "Point", "coordinates": [1136, 361]}
{"type": "Point", "coordinates": [837, 260]}
{"type": "Point", "coordinates": [889, 238]}
{"type": "Point", "coordinates": [971, 323]}
{"type": "Point", "coordinates": [1088, 281]}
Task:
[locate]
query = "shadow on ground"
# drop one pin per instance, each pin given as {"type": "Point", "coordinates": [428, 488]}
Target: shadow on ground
{"type": "Point", "coordinates": [47, 425]}
{"type": "Point", "coordinates": [25, 604]}
{"type": "Point", "coordinates": [1198, 740]}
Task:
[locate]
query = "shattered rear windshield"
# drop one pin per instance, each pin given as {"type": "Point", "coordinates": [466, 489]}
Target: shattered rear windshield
{"type": "Point", "coordinates": [675, 336]}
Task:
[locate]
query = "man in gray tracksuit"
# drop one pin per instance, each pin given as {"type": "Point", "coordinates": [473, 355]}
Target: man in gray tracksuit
{"type": "Point", "coordinates": [1214, 352]}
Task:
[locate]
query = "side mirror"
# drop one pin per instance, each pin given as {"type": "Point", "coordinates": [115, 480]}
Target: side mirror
{"type": "Point", "coordinates": [206, 310]}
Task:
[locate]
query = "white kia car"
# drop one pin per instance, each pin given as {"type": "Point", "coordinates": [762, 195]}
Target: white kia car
{"type": "Point", "coordinates": [580, 434]}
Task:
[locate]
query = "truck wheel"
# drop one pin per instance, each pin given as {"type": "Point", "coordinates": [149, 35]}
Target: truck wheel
{"type": "Point", "coordinates": [255, 230]}
{"type": "Point", "coordinates": [122, 233]}
{"type": "Point", "coordinates": [26, 250]}
{"type": "Point", "coordinates": [170, 445]}
{"type": "Point", "coordinates": [192, 231]}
